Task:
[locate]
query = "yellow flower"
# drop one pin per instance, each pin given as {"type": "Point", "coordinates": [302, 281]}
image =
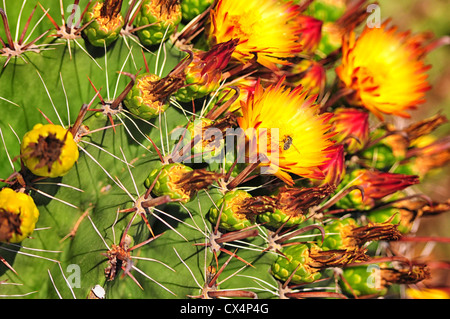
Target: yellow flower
{"type": "Point", "coordinates": [427, 293]}
{"type": "Point", "coordinates": [49, 150]}
{"type": "Point", "coordinates": [297, 136]}
{"type": "Point", "coordinates": [18, 216]}
{"type": "Point", "coordinates": [385, 69]}
{"type": "Point", "coordinates": [265, 29]}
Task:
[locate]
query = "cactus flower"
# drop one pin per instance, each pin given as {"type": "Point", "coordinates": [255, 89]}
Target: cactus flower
{"type": "Point", "coordinates": [49, 150]}
{"type": "Point", "coordinates": [376, 185]}
{"type": "Point", "coordinates": [428, 293]}
{"type": "Point", "coordinates": [303, 137]}
{"type": "Point", "coordinates": [311, 33]}
{"type": "Point", "coordinates": [18, 216]}
{"type": "Point", "coordinates": [310, 74]}
{"type": "Point", "coordinates": [334, 168]}
{"type": "Point", "coordinates": [352, 126]}
{"type": "Point", "coordinates": [266, 30]}
{"type": "Point", "coordinates": [385, 69]}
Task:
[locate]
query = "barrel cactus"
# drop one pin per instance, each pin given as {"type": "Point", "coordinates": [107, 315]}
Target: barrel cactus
{"type": "Point", "coordinates": [184, 149]}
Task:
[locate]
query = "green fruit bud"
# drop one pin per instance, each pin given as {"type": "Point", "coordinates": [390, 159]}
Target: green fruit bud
{"type": "Point", "coordinates": [192, 8]}
{"type": "Point", "coordinates": [397, 216]}
{"type": "Point", "coordinates": [363, 280]}
{"type": "Point", "coordinates": [180, 182]}
{"type": "Point", "coordinates": [338, 234]}
{"type": "Point", "coordinates": [166, 181]}
{"type": "Point", "coordinates": [229, 205]}
{"type": "Point", "coordinates": [105, 29]}
{"type": "Point", "coordinates": [379, 156]}
{"type": "Point", "coordinates": [297, 257]}
{"type": "Point", "coordinates": [161, 17]}
{"type": "Point", "coordinates": [141, 100]}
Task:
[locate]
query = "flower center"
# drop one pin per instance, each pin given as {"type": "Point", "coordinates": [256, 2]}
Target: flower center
{"type": "Point", "coordinates": [155, 92]}
{"type": "Point", "coordinates": [240, 30]}
{"type": "Point", "coordinates": [108, 16]}
{"type": "Point", "coordinates": [168, 11]}
{"type": "Point", "coordinates": [47, 150]}
{"type": "Point", "coordinates": [9, 225]}
{"type": "Point", "coordinates": [369, 81]}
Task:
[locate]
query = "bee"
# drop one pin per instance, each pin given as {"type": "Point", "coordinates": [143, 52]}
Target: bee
{"type": "Point", "coordinates": [287, 140]}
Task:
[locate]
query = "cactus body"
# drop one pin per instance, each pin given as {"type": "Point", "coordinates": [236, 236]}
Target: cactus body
{"type": "Point", "coordinates": [94, 202]}
{"type": "Point", "coordinates": [297, 257]}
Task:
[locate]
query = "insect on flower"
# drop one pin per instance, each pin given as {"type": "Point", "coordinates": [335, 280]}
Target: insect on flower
{"type": "Point", "coordinates": [287, 142]}
{"type": "Point", "coordinates": [301, 131]}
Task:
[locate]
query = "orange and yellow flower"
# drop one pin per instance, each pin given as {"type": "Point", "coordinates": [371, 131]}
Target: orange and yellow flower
{"type": "Point", "coordinates": [309, 73]}
{"type": "Point", "coordinates": [352, 126]}
{"type": "Point", "coordinates": [311, 33]}
{"type": "Point", "coordinates": [265, 29]}
{"type": "Point", "coordinates": [334, 168]}
{"type": "Point", "coordinates": [428, 293]}
{"type": "Point", "coordinates": [385, 68]}
{"type": "Point", "coordinates": [288, 122]}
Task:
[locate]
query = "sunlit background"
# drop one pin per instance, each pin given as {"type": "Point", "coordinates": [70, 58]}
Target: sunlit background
{"type": "Point", "coordinates": [420, 16]}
